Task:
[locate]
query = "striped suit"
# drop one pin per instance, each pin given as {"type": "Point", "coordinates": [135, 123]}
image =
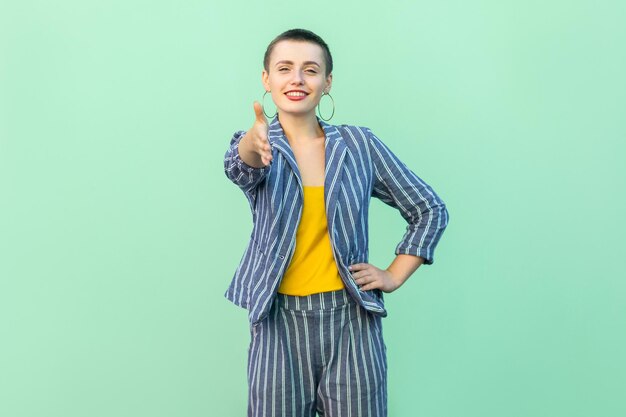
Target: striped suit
{"type": "Point", "coordinates": [323, 353]}
{"type": "Point", "coordinates": [358, 166]}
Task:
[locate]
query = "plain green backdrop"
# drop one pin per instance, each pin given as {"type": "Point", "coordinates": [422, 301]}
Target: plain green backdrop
{"type": "Point", "coordinates": [119, 232]}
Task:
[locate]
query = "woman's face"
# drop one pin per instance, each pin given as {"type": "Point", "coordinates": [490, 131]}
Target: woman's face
{"type": "Point", "coordinates": [296, 77]}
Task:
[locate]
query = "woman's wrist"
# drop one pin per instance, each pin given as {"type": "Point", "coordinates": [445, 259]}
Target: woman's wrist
{"type": "Point", "coordinates": [403, 266]}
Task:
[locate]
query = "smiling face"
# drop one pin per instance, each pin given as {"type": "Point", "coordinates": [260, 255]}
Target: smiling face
{"type": "Point", "coordinates": [296, 77]}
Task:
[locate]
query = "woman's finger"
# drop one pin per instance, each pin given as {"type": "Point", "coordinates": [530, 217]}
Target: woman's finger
{"type": "Point", "coordinates": [370, 286]}
{"type": "Point", "coordinates": [365, 278]}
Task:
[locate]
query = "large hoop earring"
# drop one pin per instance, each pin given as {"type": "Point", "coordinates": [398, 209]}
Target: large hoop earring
{"type": "Point", "coordinates": [263, 102]}
{"type": "Point", "coordinates": [318, 107]}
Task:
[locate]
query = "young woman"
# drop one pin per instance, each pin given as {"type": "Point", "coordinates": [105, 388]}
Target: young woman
{"type": "Point", "coordinates": [315, 303]}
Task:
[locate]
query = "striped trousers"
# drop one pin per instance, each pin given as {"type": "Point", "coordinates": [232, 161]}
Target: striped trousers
{"type": "Point", "coordinates": [320, 354]}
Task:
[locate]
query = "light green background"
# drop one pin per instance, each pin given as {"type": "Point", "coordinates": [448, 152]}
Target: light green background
{"type": "Point", "coordinates": [119, 232]}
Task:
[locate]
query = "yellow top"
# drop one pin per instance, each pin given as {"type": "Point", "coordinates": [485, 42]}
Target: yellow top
{"type": "Point", "coordinates": [312, 268]}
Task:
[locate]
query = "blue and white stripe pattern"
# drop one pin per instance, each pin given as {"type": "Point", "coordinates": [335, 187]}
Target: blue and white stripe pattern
{"type": "Point", "coordinates": [358, 166]}
{"type": "Point", "coordinates": [320, 354]}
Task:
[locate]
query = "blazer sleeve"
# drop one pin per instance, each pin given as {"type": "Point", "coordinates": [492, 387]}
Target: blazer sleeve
{"type": "Point", "coordinates": [243, 175]}
{"type": "Point", "coordinates": [399, 187]}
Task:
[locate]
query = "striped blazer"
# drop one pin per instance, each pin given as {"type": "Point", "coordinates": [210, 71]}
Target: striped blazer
{"type": "Point", "coordinates": [358, 166]}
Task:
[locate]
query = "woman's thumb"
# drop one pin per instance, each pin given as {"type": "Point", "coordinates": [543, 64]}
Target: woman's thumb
{"type": "Point", "coordinates": [258, 110]}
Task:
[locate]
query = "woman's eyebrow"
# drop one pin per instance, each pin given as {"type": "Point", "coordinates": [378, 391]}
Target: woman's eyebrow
{"type": "Point", "coordinates": [291, 63]}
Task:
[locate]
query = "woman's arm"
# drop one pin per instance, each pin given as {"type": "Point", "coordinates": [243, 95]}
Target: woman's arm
{"type": "Point", "coordinates": [426, 214]}
{"type": "Point", "coordinates": [399, 187]}
{"type": "Point", "coordinates": [244, 175]}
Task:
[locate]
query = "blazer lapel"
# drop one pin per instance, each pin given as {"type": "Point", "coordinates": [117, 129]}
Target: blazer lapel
{"type": "Point", "coordinates": [335, 152]}
{"type": "Point", "coordinates": [277, 139]}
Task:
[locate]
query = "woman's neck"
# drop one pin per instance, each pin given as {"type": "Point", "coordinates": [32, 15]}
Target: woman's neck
{"type": "Point", "coordinates": [301, 128]}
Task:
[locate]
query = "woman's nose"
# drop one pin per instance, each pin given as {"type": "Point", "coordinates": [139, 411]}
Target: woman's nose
{"type": "Point", "coordinates": [297, 77]}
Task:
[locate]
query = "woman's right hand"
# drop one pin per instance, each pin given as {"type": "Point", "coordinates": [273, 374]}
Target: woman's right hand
{"type": "Point", "coordinates": [254, 147]}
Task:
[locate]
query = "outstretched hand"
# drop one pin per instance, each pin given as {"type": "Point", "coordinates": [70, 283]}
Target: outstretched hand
{"type": "Point", "coordinates": [258, 134]}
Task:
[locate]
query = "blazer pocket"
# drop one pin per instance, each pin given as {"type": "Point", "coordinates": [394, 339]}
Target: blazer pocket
{"type": "Point", "coordinates": [258, 247]}
{"type": "Point", "coordinates": [259, 259]}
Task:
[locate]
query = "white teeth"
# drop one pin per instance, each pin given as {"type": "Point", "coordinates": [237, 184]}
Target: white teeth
{"type": "Point", "coordinates": [296, 94]}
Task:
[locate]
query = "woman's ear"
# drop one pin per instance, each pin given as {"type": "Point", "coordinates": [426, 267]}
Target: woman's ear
{"type": "Point", "coordinates": [329, 81]}
{"type": "Point", "coordinates": [265, 80]}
